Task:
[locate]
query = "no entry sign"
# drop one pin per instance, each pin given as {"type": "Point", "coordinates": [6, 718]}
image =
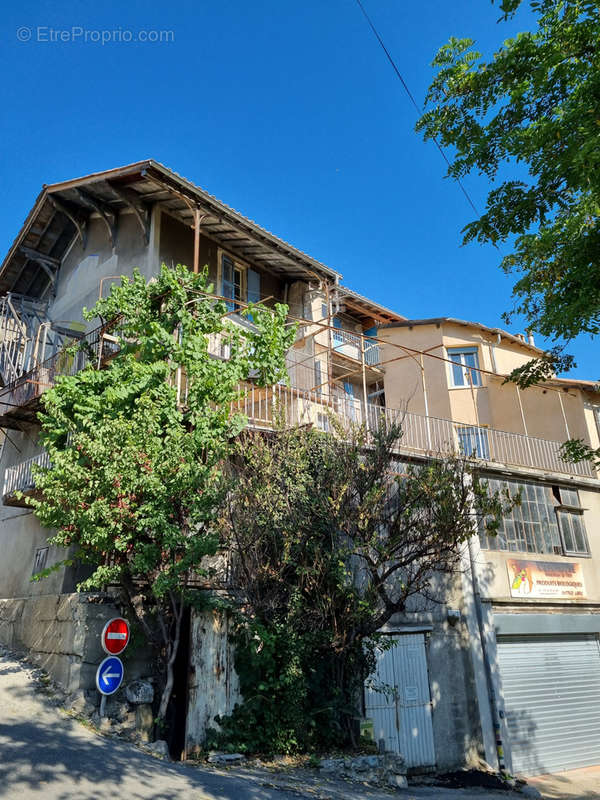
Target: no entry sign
{"type": "Point", "coordinates": [115, 636]}
{"type": "Point", "coordinates": [109, 675]}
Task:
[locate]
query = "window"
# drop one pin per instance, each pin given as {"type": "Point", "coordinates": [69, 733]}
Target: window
{"type": "Point", "coordinates": [465, 363]}
{"type": "Point", "coordinates": [473, 441]}
{"type": "Point", "coordinates": [572, 532]}
{"type": "Point", "coordinates": [542, 523]}
{"type": "Point", "coordinates": [231, 282]}
{"type": "Point", "coordinates": [41, 556]}
{"type": "Point", "coordinates": [238, 283]}
{"type": "Point", "coordinates": [570, 520]}
{"type": "Point", "coordinates": [337, 334]}
{"type": "Point", "coordinates": [323, 422]}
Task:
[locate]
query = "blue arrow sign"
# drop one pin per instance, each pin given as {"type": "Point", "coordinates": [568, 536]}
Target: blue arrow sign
{"type": "Point", "coordinates": [109, 675]}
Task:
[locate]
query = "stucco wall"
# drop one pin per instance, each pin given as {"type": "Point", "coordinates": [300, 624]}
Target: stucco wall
{"type": "Point", "coordinates": [493, 404]}
{"type": "Point", "coordinates": [82, 270]}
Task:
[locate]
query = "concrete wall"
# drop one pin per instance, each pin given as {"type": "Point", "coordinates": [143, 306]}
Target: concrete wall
{"type": "Point", "coordinates": [81, 272]}
{"type": "Point", "coordinates": [62, 634]}
{"type": "Point", "coordinates": [455, 704]}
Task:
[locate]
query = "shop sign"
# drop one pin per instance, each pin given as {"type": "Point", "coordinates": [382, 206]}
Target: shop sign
{"type": "Point", "coordinates": [540, 579]}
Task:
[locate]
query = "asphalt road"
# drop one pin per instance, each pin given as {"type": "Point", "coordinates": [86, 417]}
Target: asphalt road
{"type": "Point", "coordinates": [48, 755]}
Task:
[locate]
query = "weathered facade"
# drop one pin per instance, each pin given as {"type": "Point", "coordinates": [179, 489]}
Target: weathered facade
{"type": "Point", "coordinates": [533, 591]}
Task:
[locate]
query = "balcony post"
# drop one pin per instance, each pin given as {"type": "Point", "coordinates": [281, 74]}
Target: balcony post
{"type": "Point", "coordinates": [426, 403]}
{"type": "Point", "coordinates": [364, 381]}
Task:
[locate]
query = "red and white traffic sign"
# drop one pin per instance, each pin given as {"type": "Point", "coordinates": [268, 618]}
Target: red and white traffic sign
{"type": "Point", "coordinates": [115, 636]}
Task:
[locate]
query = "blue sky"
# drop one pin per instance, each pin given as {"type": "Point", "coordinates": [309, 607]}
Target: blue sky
{"type": "Point", "coordinates": [287, 111]}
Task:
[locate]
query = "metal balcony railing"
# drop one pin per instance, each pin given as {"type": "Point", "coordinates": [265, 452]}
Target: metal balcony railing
{"type": "Point", "coordinates": [420, 434]}
{"type": "Point", "coordinates": [350, 345]}
{"type": "Point", "coordinates": [426, 435]}
{"type": "Point", "coordinates": [20, 477]}
{"type": "Point", "coordinates": [94, 348]}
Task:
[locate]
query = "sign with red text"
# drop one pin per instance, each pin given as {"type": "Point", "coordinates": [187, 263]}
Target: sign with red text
{"type": "Point", "coordinates": [540, 579]}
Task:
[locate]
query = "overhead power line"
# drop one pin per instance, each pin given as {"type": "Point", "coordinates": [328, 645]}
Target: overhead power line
{"type": "Point", "coordinates": [412, 99]}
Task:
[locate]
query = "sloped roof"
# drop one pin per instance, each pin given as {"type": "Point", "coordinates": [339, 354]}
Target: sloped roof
{"type": "Point", "coordinates": [61, 212]}
{"type": "Point", "coordinates": [411, 323]}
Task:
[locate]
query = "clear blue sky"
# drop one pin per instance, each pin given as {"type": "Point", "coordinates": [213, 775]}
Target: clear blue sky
{"type": "Point", "coordinates": [287, 110]}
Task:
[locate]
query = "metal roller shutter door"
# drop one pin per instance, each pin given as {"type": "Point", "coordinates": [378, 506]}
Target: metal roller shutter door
{"type": "Point", "coordinates": [551, 687]}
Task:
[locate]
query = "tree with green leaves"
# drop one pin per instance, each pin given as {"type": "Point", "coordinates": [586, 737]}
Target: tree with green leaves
{"type": "Point", "coordinates": [529, 117]}
{"type": "Point", "coordinates": [137, 447]}
{"type": "Point", "coordinates": [331, 534]}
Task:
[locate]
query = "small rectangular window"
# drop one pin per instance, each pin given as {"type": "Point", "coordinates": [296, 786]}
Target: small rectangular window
{"type": "Point", "coordinates": [337, 337]}
{"type": "Point", "coordinates": [572, 531]}
{"type": "Point", "coordinates": [464, 369]}
{"type": "Point", "coordinates": [323, 422]}
{"type": "Point", "coordinates": [39, 562]}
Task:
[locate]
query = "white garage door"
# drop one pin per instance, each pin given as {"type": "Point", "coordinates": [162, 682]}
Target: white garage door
{"type": "Point", "coordinates": [551, 687]}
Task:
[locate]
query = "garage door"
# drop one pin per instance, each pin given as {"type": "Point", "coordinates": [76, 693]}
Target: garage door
{"type": "Point", "coordinates": [551, 687]}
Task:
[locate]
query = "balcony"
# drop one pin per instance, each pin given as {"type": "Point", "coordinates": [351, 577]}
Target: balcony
{"type": "Point", "coordinates": [20, 479]}
{"type": "Point", "coordinates": [19, 399]}
{"type": "Point", "coordinates": [420, 435]}
{"type": "Point", "coordinates": [350, 345]}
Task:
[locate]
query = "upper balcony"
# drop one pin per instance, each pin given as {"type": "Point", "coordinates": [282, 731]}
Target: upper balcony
{"type": "Point", "coordinates": [347, 347]}
{"type": "Point", "coordinates": [421, 435]}
{"type": "Point", "coordinates": [19, 397]}
{"type": "Point", "coordinates": [19, 402]}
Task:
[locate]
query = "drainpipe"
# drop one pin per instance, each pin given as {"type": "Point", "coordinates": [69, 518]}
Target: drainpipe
{"type": "Point", "coordinates": [493, 352]}
{"type": "Point", "coordinates": [425, 402]}
{"type": "Point", "coordinates": [564, 416]}
{"type": "Point", "coordinates": [496, 714]}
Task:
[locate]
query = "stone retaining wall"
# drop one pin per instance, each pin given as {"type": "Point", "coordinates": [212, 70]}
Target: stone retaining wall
{"type": "Point", "coordinates": [61, 632]}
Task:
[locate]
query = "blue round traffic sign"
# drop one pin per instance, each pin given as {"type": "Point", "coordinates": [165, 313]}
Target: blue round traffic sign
{"type": "Point", "coordinates": [109, 675]}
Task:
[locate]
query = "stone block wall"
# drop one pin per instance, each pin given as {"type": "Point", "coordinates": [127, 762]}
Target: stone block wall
{"type": "Point", "coordinates": [61, 632]}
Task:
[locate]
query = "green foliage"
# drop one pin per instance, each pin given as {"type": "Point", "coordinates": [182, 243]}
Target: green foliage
{"type": "Point", "coordinates": [535, 106]}
{"type": "Point", "coordinates": [137, 448]}
{"type": "Point", "coordinates": [330, 536]}
{"type": "Point", "coordinates": [576, 450]}
{"type": "Point", "coordinates": [292, 701]}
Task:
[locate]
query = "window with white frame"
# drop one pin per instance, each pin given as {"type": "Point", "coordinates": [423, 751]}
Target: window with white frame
{"type": "Point", "coordinates": [549, 519]}
{"type": "Point", "coordinates": [464, 369]}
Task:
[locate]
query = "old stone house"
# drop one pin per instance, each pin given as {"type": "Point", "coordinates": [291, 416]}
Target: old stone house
{"type": "Point", "coordinates": [511, 659]}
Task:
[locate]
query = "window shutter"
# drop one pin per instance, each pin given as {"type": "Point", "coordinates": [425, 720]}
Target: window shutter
{"type": "Point", "coordinates": [253, 283]}
{"type": "Point", "coordinates": [227, 288]}
{"type": "Point", "coordinates": [252, 287]}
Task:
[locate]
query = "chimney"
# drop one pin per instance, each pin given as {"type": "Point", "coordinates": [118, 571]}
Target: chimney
{"type": "Point", "coordinates": [530, 338]}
